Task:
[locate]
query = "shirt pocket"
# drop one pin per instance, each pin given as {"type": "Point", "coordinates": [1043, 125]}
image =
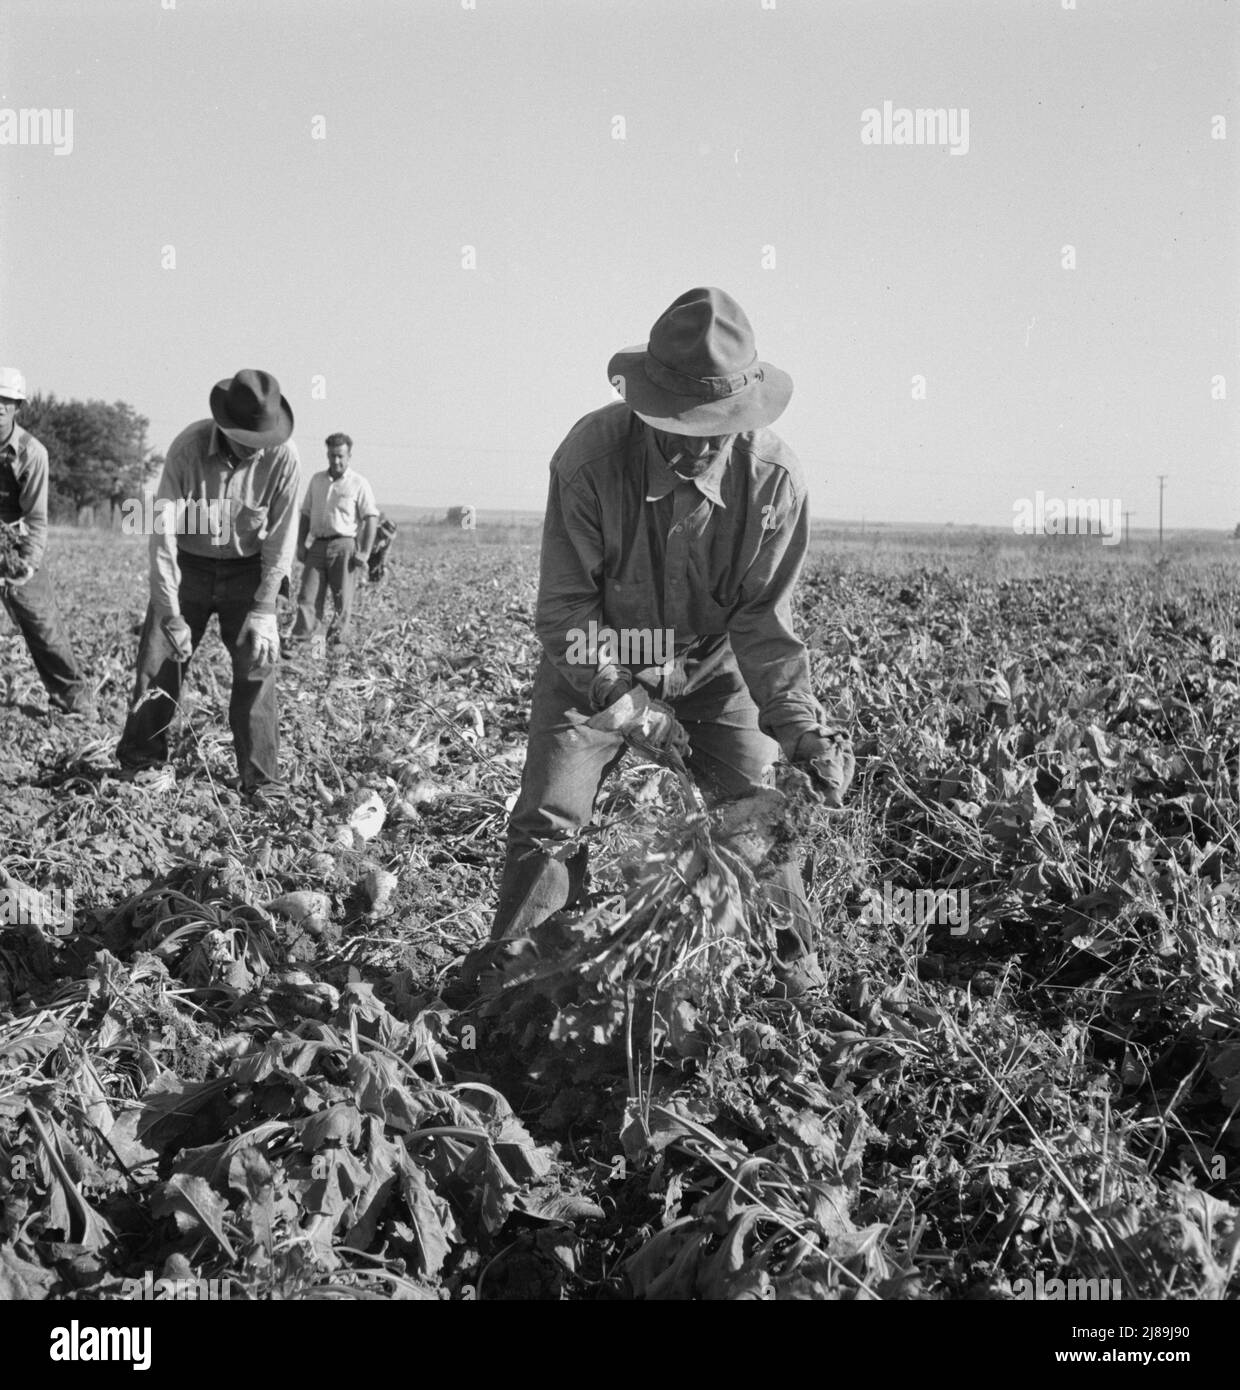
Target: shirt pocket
{"type": "Point", "coordinates": [712, 614]}
{"type": "Point", "coordinates": [250, 523]}
{"type": "Point", "coordinates": [725, 594]}
{"type": "Point", "coordinates": [630, 599]}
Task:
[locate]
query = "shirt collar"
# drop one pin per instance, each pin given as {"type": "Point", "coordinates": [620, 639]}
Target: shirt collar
{"type": "Point", "coordinates": [217, 450]}
{"type": "Point", "coordinates": [12, 445]}
{"type": "Point", "coordinates": [661, 479]}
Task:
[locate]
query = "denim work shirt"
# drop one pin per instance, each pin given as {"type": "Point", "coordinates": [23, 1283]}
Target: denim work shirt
{"type": "Point", "coordinates": [236, 511]}
{"type": "Point", "coordinates": [23, 491]}
{"type": "Point", "coordinates": [630, 546]}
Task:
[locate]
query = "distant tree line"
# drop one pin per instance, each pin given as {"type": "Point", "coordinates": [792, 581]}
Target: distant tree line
{"type": "Point", "coordinates": [98, 454]}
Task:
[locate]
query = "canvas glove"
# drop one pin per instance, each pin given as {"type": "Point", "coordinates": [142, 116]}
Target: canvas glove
{"type": "Point", "coordinates": [647, 724]}
{"type": "Point", "coordinates": [176, 630]}
{"type": "Point", "coordinates": [609, 685]}
{"type": "Point", "coordinates": [263, 635]}
{"type": "Point", "coordinates": [18, 580]}
{"type": "Point", "coordinates": [826, 757]}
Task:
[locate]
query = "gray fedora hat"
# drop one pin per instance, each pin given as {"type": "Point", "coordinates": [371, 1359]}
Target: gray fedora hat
{"type": "Point", "coordinates": [249, 408]}
{"type": "Point", "coordinates": [699, 374]}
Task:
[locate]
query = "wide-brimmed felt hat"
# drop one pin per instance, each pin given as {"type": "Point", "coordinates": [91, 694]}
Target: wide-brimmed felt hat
{"type": "Point", "coordinates": [249, 408]}
{"type": "Point", "coordinates": [699, 374]}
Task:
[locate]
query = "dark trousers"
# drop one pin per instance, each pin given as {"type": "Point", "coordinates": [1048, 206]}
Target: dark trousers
{"type": "Point", "coordinates": [328, 567]}
{"type": "Point", "coordinates": [226, 588]}
{"type": "Point", "coordinates": [566, 764]}
{"type": "Point", "coordinates": [33, 608]}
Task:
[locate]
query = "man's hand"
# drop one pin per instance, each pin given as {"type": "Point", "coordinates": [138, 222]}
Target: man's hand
{"type": "Point", "coordinates": [646, 723]}
{"type": "Point", "coordinates": [826, 757]}
{"type": "Point", "coordinates": [24, 577]}
{"type": "Point", "coordinates": [661, 731]}
{"type": "Point", "coordinates": [260, 630]}
{"type": "Point", "coordinates": [359, 560]}
{"type": "Point", "coordinates": [302, 553]}
{"type": "Point", "coordinates": [609, 685]}
{"type": "Point", "coordinates": [176, 630]}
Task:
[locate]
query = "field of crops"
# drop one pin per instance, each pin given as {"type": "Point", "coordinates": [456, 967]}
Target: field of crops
{"type": "Point", "coordinates": [235, 1061]}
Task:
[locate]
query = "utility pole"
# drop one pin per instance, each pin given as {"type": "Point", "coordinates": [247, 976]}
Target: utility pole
{"type": "Point", "coordinates": [1162, 483]}
{"type": "Point", "coordinates": [1127, 514]}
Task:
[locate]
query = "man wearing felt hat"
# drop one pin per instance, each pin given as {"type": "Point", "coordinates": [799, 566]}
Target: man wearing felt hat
{"type": "Point", "coordinates": [28, 595]}
{"type": "Point", "coordinates": [675, 509]}
{"type": "Point", "coordinates": [240, 468]}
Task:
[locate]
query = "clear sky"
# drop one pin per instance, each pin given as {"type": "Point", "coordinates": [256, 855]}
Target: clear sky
{"type": "Point", "coordinates": [493, 127]}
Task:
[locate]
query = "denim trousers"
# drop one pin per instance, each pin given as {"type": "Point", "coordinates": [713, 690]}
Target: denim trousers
{"type": "Point", "coordinates": [33, 608]}
{"type": "Point", "coordinates": [566, 764]}
{"type": "Point", "coordinates": [328, 567]}
{"type": "Point", "coordinates": [225, 588]}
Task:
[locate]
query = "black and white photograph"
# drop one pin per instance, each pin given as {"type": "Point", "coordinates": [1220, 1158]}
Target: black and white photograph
{"type": "Point", "coordinates": [621, 671]}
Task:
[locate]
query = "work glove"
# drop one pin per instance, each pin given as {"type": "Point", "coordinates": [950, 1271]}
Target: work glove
{"type": "Point", "coordinates": [826, 757]}
{"type": "Point", "coordinates": [263, 635]}
{"type": "Point", "coordinates": [24, 577]}
{"type": "Point", "coordinates": [647, 724]}
{"type": "Point", "coordinates": [609, 685]}
{"type": "Point", "coordinates": [176, 630]}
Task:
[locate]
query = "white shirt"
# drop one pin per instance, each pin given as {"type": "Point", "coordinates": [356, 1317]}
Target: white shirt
{"type": "Point", "coordinates": [337, 507]}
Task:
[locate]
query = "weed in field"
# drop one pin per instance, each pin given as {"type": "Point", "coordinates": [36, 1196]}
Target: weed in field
{"type": "Point", "coordinates": [238, 1064]}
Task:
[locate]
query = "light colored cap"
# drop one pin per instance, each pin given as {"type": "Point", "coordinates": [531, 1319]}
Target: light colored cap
{"type": "Point", "coordinates": [12, 384]}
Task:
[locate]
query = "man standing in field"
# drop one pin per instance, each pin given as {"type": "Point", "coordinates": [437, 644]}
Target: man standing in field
{"type": "Point", "coordinates": [678, 511]}
{"type": "Point", "coordinates": [28, 595]}
{"type": "Point", "coordinates": [241, 468]}
{"type": "Point", "coordinates": [385, 534]}
{"type": "Point", "coordinates": [335, 533]}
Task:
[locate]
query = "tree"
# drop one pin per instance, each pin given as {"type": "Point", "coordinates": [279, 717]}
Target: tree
{"type": "Point", "coordinates": [97, 453]}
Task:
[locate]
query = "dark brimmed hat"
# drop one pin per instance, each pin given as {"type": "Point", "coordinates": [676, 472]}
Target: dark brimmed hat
{"type": "Point", "coordinates": [699, 374]}
{"type": "Point", "coordinates": [249, 408]}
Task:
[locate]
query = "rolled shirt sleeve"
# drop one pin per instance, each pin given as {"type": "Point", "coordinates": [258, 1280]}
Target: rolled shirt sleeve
{"type": "Point", "coordinates": [570, 592]}
{"type": "Point", "coordinates": [164, 567]}
{"type": "Point", "coordinates": [281, 539]}
{"type": "Point", "coordinates": [773, 660]}
{"type": "Point", "coordinates": [366, 501]}
{"type": "Point", "coordinates": [32, 499]}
